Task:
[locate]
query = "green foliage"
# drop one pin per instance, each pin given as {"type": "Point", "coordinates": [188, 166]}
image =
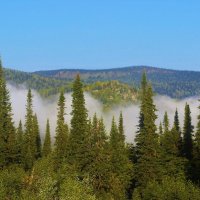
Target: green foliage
{"type": "Point", "coordinates": [8, 150]}
{"type": "Point", "coordinates": [168, 189]}
{"type": "Point", "coordinates": [79, 136]}
{"type": "Point", "coordinates": [187, 134]}
{"type": "Point", "coordinates": [47, 141]}
{"type": "Point", "coordinates": [62, 133]}
{"type": "Point", "coordinates": [112, 93]}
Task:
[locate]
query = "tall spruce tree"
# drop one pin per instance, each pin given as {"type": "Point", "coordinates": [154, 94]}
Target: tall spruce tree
{"type": "Point", "coordinates": [99, 168]}
{"type": "Point", "coordinates": [19, 141]}
{"type": "Point", "coordinates": [187, 134]}
{"type": "Point", "coordinates": [172, 161]}
{"type": "Point", "coordinates": [79, 135]}
{"type": "Point", "coordinates": [148, 152]}
{"type": "Point", "coordinates": [121, 166]}
{"type": "Point", "coordinates": [46, 150]}
{"type": "Point", "coordinates": [8, 151]}
{"type": "Point", "coordinates": [143, 88]}
{"type": "Point", "coordinates": [176, 121]}
{"type": "Point", "coordinates": [38, 152]}
{"type": "Point", "coordinates": [29, 144]}
{"type": "Point", "coordinates": [196, 153]}
{"type": "Point", "coordinates": [166, 123]}
{"type": "Point", "coordinates": [62, 132]}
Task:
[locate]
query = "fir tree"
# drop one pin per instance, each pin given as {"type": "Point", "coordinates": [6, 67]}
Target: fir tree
{"type": "Point", "coordinates": [19, 141]}
{"type": "Point", "coordinates": [62, 132]}
{"type": "Point", "coordinates": [47, 141]}
{"type": "Point", "coordinates": [176, 122]}
{"type": "Point", "coordinates": [166, 123]}
{"type": "Point", "coordinates": [79, 137]}
{"type": "Point", "coordinates": [148, 150]}
{"type": "Point", "coordinates": [196, 153]}
{"type": "Point", "coordinates": [160, 129]}
{"type": "Point", "coordinates": [143, 88]}
{"type": "Point", "coordinates": [8, 151]}
{"type": "Point", "coordinates": [29, 147]}
{"type": "Point", "coordinates": [121, 166]}
{"type": "Point", "coordinates": [173, 163]}
{"type": "Point", "coordinates": [187, 134]}
{"type": "Point", "coordinates": [37, 137]}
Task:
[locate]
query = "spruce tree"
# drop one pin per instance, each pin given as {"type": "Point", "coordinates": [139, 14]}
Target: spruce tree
{"type": "Point", "coordinates": [160, 129]}
{"type": "Point", "coordinates": [79, 135]}
{"type": "Point", "coordinates": [148, 152]}
{"type": "Point", "coordinates": [37, 137]}
{"type": "Point", "coordinates": [29, 147]}
{"type": "Point", "coordinates": [196, 153]}
{"type": "Point", "coordinates": [166, 123]}
{"type": "Point", "coordinates": [143, 88]}
{"type": "Point", "coordinates": [173, 163]}
{"type": "Point", "coordinates": [99, 167]}
{"type": "Point", "coordinates": [62, 132]}
{"type": "Point", "coordinates": [176, 121]}
{"type": "Point", "coordinates": [187, 134]}
{"type": "Point", "coordinates": [8, 151]}
{"type": "Point", "coordinates": [121, 166]}
{"type": "Point", "coordinates": [47, 141]}
{"type": "Point", "coordinates": [19, 141]}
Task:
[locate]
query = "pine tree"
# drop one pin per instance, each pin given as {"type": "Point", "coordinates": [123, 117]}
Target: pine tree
{"type": "Point", "coordinates": [99, 167]}
{"type": "Point", "coordinates": [79, 137]}
{"type": "Point", "coordinates": [187, 134]}
{"type": "Point", "coordinates": [143, 88]}
{"type": "Point", "coordinates": [121, 166]}
{"type": "Point", "coordinates": [62, 132]}
{"type": "Point", "coordinates": [8, 151]}
{"type": "Point", "coordinates": [178, 129]}
{"type": "Point", "coordinates": [29, 147]}
{"type": "Point", "coordinates": [176, 122]}
{"type": "Point", "coordinates": [37, 137]}
{"type": "Point", "coordinates": [19, 141]}
{"type": "Point", "coordinates": [166, 123]}
{"type": "Point", "coordinates": [196, 153]}
{"type": "Point", "coordinates": [173, 163]}
{"type": "Point", "coordinates": [148, 150]}
{"type": "Point", "coordinates": [160, 129]}
{"type": "Point", "coordinates": [47, 141]}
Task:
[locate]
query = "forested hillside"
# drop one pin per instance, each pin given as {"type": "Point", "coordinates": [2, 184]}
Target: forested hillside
{"type": "Point", "coordinates": [86, 162]}
{"type": "Point", "coordinates": [173, 83]}
{"type": "Point", "coordinates": [176, 84]}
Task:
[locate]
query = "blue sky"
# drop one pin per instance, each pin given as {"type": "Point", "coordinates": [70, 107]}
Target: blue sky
{"type": "Point", "coordinates": [94, 34]}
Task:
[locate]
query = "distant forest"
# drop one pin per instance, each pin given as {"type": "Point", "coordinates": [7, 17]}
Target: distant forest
{"type": "Point", "coordinates": [85, 162]}
{"type": "Point", "coordinates": [173, 83]}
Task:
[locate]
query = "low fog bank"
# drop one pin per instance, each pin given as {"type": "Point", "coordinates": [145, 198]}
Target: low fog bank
{"type": "Point", "coordinates": [47, 108]}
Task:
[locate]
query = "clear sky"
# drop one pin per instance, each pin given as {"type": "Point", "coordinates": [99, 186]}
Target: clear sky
{"type": "Point", "coordinates": [94, 34]}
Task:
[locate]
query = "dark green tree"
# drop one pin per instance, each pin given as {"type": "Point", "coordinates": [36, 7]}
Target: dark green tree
{"type": "Point", "coordinates": [148, 152]}
{"type": "Point", "coordinates": [160, 129]}
{"type": "Point", "coordinates": [176, 121]}
{"type": "Point", "coordinates": [121, 166]}
{"type": "Point", "coordinates": [187, 134]}
{"type": "Point", "coordinates": [37, 137]}
{"type": "Point", "coordinates": [196, 153]}
{"type": "Point", "coordinates": [8, 151]}
{"type": "Point", "coordinates": [29, 144]}
{"type": "Point", "coordinates": [79, 135]}
{"type": "Point", "coordinates": [166, 123]}
{"type": "Point", "coordinates": [47, 141]}
{"type": "Point", "coordinates": [173, 162]}
{"type": "Point", "coordinates": [62, 132]}
{"type": "Point", "coordinates": [19, 141]}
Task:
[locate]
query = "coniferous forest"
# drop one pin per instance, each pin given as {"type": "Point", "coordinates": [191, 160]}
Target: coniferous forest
{"type": "Point", "coordinates": [86, 162]}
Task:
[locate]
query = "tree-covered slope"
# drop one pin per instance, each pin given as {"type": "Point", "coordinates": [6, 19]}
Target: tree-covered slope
{"type": "Point", "coordinates": [174, 83]}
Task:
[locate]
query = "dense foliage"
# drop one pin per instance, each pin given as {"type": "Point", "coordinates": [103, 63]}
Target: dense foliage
{"type": "Point", "coordinates": [87, 163]}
